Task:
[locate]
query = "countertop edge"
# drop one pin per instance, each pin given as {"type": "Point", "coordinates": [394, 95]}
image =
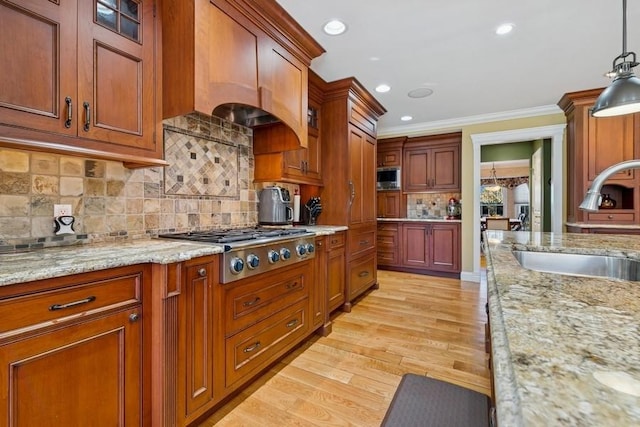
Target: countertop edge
{"type": "Point", "coordinates": [419, 220]}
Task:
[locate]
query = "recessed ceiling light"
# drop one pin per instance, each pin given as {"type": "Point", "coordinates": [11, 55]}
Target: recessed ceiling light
{"type": "Point", "coordinates": [335, 27]}
{"type": "Point", "coordinates": [383, 88]}
{"type": "Point", "coordinates": [504, 29]}
{"type": "Point", "coordinates": [406, 118]}
{"type": "Point", "coordinates": [421, 92]}
{"type": "Point", "coordinates": [374, 58]}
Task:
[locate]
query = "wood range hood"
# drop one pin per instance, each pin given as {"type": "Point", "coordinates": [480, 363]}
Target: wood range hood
{"type": "Point", "coordinates": [246, 61]}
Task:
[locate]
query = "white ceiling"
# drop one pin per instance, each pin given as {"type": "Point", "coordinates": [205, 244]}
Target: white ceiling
{"type": "Point", "coordinates": [557, 46]}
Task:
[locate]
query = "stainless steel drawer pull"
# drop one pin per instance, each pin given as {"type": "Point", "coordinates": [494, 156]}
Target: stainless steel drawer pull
{"type": "Point", "coordinates": [252, 302]}
{"type": "Point", "coordinates": [55, 307]}
{"type": "Point", "coordinates": [364, 273]}
{"type": "Point", "coordinates": [292, 323]}
{"type": "Point", "coordinates": [251, 348]}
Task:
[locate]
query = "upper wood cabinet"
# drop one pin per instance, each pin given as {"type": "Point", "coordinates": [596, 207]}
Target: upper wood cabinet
{"type": "Point", "coordinates": [389, 204]}
{"type": "Point", "coordinates": [432, 163]}
{"type": "Point", "coordinates": [79, 77]}
{"type": "Point", "coordinates": [237, 52]}
{"type": "Point", "coordinates": [301, 166]}
{"type": "Point", "coordinates": [594, 144]}
{"type": "Point", "coordinates": [390, 151]}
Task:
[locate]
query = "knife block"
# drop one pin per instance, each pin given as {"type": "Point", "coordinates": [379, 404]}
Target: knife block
{"type": "Point", "coordinates": [307, 218]}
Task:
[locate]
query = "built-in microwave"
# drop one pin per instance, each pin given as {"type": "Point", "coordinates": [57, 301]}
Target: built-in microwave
{"type": "Point", "coordinates": [388, 178]}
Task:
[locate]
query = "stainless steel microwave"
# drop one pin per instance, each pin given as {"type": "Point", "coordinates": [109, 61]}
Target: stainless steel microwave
{"type": "Point", "coordinates": [388, 178]}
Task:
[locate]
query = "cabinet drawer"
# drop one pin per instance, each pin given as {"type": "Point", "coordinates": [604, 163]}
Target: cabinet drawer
{"type": "Point", "coordinates": [387, 257]}
{"type": "Point", "coordinates": [361, 241]}
{"type": "Point", "coordinates": [612, 217]}
{"type": "Point", "coordinates": [336, 240]}
{"type": "Point", "coordinates": [48, 307]}
{"type": "Point", "coordinates": [257, 346]}
{"type": "Point", "coordinates": [393, 227]}
{"type": "Point", "coordinates": [362, 274]}
{"type": "Point", "coordinates": [248, 301]}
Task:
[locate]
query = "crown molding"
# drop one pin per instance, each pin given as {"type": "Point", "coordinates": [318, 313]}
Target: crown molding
{"type": "Point", "coordinates": [458, 123]}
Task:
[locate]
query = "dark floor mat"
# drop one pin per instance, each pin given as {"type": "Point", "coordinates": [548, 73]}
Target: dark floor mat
{"type": "Point", "coordinates": [422, 401]}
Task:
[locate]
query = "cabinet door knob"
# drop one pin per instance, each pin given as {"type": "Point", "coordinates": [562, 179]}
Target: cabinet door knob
{"type": "Point", "coordinates": [133, 317]}
{"type": "Point", "coordinates": [202, 272]}
{"type": "Point", "coordinates": [610, 216]}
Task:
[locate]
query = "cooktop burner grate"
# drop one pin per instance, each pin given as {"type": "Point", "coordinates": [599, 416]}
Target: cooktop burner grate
{"type": "Point", "coordinates": [235, 235]}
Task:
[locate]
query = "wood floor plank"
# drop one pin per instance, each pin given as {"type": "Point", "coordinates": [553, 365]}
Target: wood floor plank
{"type": "Point", "coordinates": [412, 324]}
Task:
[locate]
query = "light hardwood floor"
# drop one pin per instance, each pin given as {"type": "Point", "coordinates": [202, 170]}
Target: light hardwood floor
{"type": "Point", "coordinates": [412, 324]}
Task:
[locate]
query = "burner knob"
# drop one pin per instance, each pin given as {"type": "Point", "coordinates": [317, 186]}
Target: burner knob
{"type": "Point", "coordinates": [273, 256]}
{"type": "Point", "coordinates": [253, 261]}
{"type": "Point", "coordinates": [285, 254]}
{"type": "Point", "coordinates": [301, 250]}
{"type": "Point", "coordinates": [237, 265]}
{"type": "Point", "coordinates": [311, 248]}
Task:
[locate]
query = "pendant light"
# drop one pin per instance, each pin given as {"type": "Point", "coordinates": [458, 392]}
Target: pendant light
{"type": "Point", "coordinates": [623, 94]}
{"type": "Point", "coordinates": [492, 194]}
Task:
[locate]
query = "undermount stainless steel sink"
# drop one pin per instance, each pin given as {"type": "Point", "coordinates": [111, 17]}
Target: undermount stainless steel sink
{"type": "Point", "coordinates": [580, 264]}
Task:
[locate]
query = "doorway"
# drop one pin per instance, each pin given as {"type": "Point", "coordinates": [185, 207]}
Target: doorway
{"type": "Point", "coordinates": [556, 134]}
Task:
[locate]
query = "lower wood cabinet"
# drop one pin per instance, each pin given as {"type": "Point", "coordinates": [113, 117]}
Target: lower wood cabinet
{"type": "Point", "coordinates": [420, 247]}
{"type": "Point", "coordinates": [361, 263]}
{"type": "Point", "coordinates": [71, 350]}
{"type": "Point", "coordinates": [431, 246]}
{"type": "Point", "coordinates": [336, 266]}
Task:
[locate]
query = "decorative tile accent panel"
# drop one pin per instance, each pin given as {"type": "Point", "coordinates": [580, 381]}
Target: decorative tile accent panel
{"type": "Point", "coordinates": [199, 166]}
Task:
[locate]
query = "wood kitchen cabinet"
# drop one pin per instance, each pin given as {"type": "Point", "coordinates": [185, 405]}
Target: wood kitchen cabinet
{"type": "Point", "coordinates": [593, 144]}
{"type": "Point", "coordinates": [80, 78]}
{"type": "Point", "coordinates": [264, 319]}
{"type": "Point", "coordinates": [389, 204]}
{"type": "Point", "coordinates": [328, 292]}
{"type": "Point", "coordinates": [301, 166]}
{"type": "Point", "coordinates": [390, 151]}
{"type": "Point", "coordinates": [200, 370]}
{"type": "Point", "coordinates": [433, 247]}
{"type": "Point", "coordinates": [238, 52]}
{"type": "Point", "coordinates": [349, 121]}
{"type": "Point", "coordinates": [432, 163]}
{"type": "Point", "coordinates": [388, 248]}
{"type": "Point", "coordinates": [71, 350]}
{"type": "Point", "coordinates": [336, 266]}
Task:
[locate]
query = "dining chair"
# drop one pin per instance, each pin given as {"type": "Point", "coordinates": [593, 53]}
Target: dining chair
{"type": "Point", "coordinates": [498, 224]}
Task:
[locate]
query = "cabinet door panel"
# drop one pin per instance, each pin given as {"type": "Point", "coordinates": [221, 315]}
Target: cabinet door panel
{"type": "Point", "coordinates": [415, 250]}
{"type": "Point", "coordinates": [415, 170]}
{"type": "Point", "coordinates": [95, 364]}
{"type": "Point", "coordinates": [368, 188]}
{"type": "Point", "coordinates": [336, 278]}
{"type": "Point", "coordinates": [611, 140]}
{"type": "Point", "coordinates": [445, 247]}
{"type": "Point", "coordinates": [356, 142]}
{"type": "Point", "coordinates": [116, 77]}
{"type": "Point", "coordinates": [445, 168]}
{"type": "Point", "coordinates": [34, 96]}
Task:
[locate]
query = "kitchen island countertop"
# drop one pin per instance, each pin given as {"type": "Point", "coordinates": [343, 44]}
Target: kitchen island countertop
{"type": "Point", "coordinates": [556, 338]}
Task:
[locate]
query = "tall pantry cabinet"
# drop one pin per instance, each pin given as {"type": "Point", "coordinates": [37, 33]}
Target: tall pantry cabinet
{"type": "Point", "coordinates": [349, 124]}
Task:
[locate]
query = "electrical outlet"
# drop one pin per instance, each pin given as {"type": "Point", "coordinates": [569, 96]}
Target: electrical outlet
{"type": "Point", "coordinates": [61, 210]}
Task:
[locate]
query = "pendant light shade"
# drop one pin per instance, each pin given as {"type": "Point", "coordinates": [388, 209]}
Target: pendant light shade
{"type": "Point", "coordinates": [623, 95]}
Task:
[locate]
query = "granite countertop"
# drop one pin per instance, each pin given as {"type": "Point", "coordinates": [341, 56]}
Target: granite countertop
{"type": "Point", "coordinates": [441, 219]}
{"type": "Point", "coordinates": [557, 339]}
{"type": "Point", "coordinates": [592, 225]}
{"type": "Point", "coordinates": [61, 261]}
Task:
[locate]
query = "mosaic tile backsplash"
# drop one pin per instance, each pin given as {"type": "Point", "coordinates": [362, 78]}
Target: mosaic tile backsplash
{"type": "Point", "coordinates": [422, 205]}
{"type": "Point", "coordinates": [111, 202]}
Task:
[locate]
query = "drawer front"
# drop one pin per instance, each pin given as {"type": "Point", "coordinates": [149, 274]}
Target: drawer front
{"type": "Point", "coordinates": [387, 257]}
{"type": "Point", "coordinates": [611, 217]}
{"type": "Point", "coordinates": [254, 348]}
{"type": "Point", "coordinates": [362, 274]}
{"type": "Point", "coordinates": [361, 241]}
{"type": "Point", "coordinates": [248, 301]}
{"type": "Point", "coordinates": [387, 240]}
{"type": "Point", "coordinates": [389, 227]}
{"type": "Point", "coordinates": [48, 307]}
{"type": "Point", "coordinates": [336, 240]}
